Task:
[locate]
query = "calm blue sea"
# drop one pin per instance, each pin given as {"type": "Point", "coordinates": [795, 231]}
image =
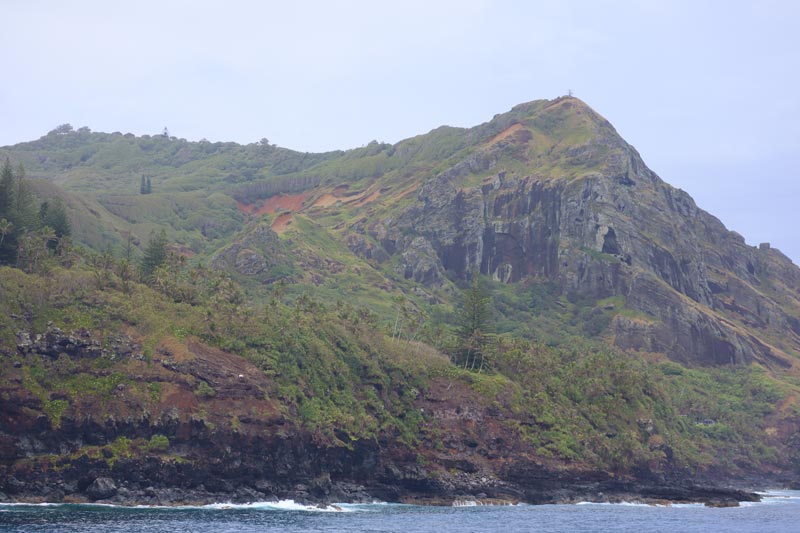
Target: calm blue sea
{"type": "Point", "coordinates": [779, 512]}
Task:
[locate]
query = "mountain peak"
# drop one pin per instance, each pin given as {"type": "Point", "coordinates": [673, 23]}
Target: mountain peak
{"type": "Point", "coordinates": [560, 106]}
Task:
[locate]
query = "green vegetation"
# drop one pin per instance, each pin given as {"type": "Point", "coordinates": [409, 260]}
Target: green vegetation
{"type": "Point", "coordinates": [473, 325]}
{"type": "Point", "coordinates": [158, 443]}
{"type": "Point", "coordinates": [30, 236]}
{"type": "Point", "coordinates": [328, 338]}
{"type": "Point", "coordinates": [205, 390]}
{"type": "Point", "coordinates": [334, 372]}
{"type": "Point", "coordinates": [155, 254]}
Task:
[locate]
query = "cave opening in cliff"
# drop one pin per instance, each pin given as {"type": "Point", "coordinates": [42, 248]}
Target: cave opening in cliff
{"type": "Point", "coordinates": [610, 245]}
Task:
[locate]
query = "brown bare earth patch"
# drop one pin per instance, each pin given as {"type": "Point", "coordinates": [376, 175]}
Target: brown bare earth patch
{"type": "Point", "coordinates": [221, 368]}
{"type": "Point", "coordinates": [290, 202]}
{"type": "Point", "coordinates": [357, 198]}
{"type": "Point", "coordinates": [175, 349]}
{"type": "Point", "coordinates": [371, 198]}
{"type": "Point", "coordinates": [340, 194]}
{"type": "Point", "coordinates": [504, 134]}
{"type": "Point", "coordinates": [173, 395]}
{"type": "Point", "coordinates": [238, 385]}
{"type": "Point", "coordinates": [408, 191]}
{"type": "Point", "coordinates": [789, 403]}
{"type": "Point", "coordinates": [279, 224]}
{"type": "Point", "coordinates": [273, 204]}
{"type": "Point", "coordinates": [327, 200]}
{"type": "Point", "coordinates": [245, 208]}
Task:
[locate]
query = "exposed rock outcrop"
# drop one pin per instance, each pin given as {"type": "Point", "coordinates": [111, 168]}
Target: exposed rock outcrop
{"type": "Point", "coordinates": [54, 343]}
{"type": "Point", "coordinates": [420, 263]}
{"type": "Point", "coordinates": [604, 226]}
{"type": "Point", "coordinates": [255, 254]}
{"type": "Point", "coordinates": [101, 488]}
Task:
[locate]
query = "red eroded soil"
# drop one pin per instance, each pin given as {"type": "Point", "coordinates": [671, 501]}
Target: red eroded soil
{"type": "Point", "coordinates": [273, 204]}
{"type": "Point", "coordinates": [371, 198]}
{"type": "Point", "coordinates": [245, 208]}
{"type": "Point", "coordinates": [280, 223]}
{"type": "Point", "coordinates": [339, 194]}
{"type": "Point", "coordinates": [327, 200]}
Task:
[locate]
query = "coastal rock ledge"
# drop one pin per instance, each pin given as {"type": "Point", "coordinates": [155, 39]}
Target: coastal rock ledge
{"type": "Point", "coordinates": [152, 481]}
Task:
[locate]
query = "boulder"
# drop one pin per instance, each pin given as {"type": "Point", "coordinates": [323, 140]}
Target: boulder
{"type": "Point", "coordinates": [102, 488]}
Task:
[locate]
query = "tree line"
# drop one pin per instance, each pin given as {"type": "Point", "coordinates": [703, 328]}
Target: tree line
{"type": "Point", "coordinates": [30, 230]}
{"type": "Point", "coordinates": [275, 186]}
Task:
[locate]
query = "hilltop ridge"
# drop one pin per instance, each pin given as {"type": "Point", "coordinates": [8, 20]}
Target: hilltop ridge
{"type": "Point", "coordinates": [547, 191]}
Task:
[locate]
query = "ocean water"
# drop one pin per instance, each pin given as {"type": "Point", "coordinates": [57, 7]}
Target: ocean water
{"type": "Point", "coordinates": [779, 512]}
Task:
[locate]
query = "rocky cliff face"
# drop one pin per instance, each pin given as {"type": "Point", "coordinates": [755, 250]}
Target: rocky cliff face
{"type": "Point", "coordinates": [549, 192]}
{"type": "Point", "coordinates": [257, 253]}
{"type": "Point", "coordinates": [585, 212]}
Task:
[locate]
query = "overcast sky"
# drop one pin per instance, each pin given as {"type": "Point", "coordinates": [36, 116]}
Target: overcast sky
{"type": "Point", "coordinates": [707, 91]}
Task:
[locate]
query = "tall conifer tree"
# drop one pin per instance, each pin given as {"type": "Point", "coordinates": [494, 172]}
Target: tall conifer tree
{"type": "Point", "coordinates": [155, 254]}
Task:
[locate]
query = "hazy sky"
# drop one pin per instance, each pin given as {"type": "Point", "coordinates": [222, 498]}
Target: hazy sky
{"type": "Point", "coordinates": [707, 91]}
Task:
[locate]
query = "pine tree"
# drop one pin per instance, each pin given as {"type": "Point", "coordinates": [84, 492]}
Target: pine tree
{"type": "Point", "coordinates": [55, 216]}
{"type": "Point", "coordinates": [24, 210]}
{"type": "Point", "coordinates": [474, 324]}
{"type": "Point", "coordinates": [146, 187]}
{"type": "Point", "coordinates": [155, 254]}
{"type": "Point", "coordinates": [16, 208]}
{"type": "Point", "coordinates": [125, 268]}
{"type": "Point", "coordinates": [44, 207]}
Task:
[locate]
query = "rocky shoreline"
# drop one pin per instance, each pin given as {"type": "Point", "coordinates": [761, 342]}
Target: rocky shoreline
{"type": "Point", "coordinates": [104, 490]}
{"type": "Point", "coordinates": [167, 458]}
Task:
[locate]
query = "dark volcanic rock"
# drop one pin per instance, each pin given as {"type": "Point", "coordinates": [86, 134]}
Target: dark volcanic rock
{"type": "Point", "coordinates": [101, 488]}
{"type": "Point", "coordinates": [53, 343]}
{"type": "Point", "coordinates": [15, 486]}
{"type": "Point", "coordinates": [420, 262]}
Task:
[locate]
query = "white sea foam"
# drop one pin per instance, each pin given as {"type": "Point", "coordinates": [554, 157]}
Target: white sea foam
{"type": "Point", "coordinates": [783, 494]}
{"type": "Point", "coordinates": [686, 505]}
{"type": "Point", "coordinates": [642, 504]}
{"type": "Point", "coordinates": [775, 497]}
{"type": "Point", "coordinates": [281, 505]}
{"type": "Point", "coordinates": [20, 504]}
{"type": "Point", "coordinates": [465, 503]}
{"type": "Point", "coordinates": [482, 503]}
{"type": "Point", "coordinates": [771, 497]}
